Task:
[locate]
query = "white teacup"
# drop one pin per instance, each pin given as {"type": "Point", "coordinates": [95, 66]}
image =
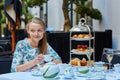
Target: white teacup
{"type": "Point", "coordinates": [98, 66]}
{"type": "Point", "coordinates": [62, 67]}
{"type": "Point", "coordinates": [83, 69]}
{"type": "Point", "coordinates": [48, 57]}
{"type": "Point", "coordinates": [117, 68]}
{"type": "Point", "coordinates": [68, 72]}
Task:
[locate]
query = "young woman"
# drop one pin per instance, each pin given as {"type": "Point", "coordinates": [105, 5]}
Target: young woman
{"type": "Point", "coordinates": [30, 51]}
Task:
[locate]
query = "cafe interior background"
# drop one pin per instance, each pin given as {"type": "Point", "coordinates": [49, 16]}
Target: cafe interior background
{"type": "Point", "coordinates": [52, 13]}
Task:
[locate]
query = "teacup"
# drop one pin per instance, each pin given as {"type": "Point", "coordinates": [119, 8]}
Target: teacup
{"type": "Point", "coordinates": [99, 66]}
{"type": "Point", "coordinates": [117, 68]}
{"type": "Point", "coordinates": [68, 73]}
{"type": "Point", "coordinates": [83, 69]}
{"type": "Point", "coordinates": [48, 57]}
{"type": "Point", "coordinates": [62, 68]}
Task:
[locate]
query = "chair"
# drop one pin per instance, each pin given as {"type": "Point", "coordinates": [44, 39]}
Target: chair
{"type": "Point", "coordinates": [116, 57]}
{"type": "Point", "coordinates": [5, 64]}
{"type": "Point", "coordinates": [5, 61]}
{"type": "Point", "coordinates": [1, 49]}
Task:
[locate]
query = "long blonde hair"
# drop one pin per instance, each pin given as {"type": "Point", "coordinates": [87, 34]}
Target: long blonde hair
{"type": "Point", "coordinates": [42, 45]}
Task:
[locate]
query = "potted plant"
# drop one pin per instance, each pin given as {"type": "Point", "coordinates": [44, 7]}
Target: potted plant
{"type": "Point", "coordinates": [83, 9]}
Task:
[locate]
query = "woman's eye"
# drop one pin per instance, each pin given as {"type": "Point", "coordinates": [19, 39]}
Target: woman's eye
{"type": "Point", "coordinates": [40, 30]}
{"type": "Point", "coordinates": [32, 30]}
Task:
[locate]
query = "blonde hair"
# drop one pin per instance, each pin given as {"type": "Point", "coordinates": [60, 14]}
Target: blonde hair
{"type": "Point", "coordinates": [42, 45]}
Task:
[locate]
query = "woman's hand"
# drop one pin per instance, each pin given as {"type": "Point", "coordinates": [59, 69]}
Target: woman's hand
{"type": "Point", "coordinates": [39, 59]}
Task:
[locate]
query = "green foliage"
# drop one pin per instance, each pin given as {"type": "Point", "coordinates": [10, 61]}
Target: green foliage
{"type": "Point", "coordinates": [1, 5]}
{"type": "Point", "coordinates": [96, 14]}
{"type": "Point", "coordinates": [32, 3]}
{"type": "Point", "coordinates": [3, 19]}
{"type": "Point", "coordinates": [83, 8]}
{"type": "Point", "coordinates": [29, 16]}
{"type": "Point", "coordinates": [24, 10]}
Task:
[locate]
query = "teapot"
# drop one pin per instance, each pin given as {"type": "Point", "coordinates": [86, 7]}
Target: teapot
{"type": "Point", "coordinates": [50, 70]}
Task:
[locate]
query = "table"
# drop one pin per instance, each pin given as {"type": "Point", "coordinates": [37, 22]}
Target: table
{"type": "Point", "coordinates": [29, 76]}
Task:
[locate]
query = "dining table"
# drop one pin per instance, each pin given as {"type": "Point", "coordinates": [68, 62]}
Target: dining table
{"type": "Point", "coordinates": [93, 74]}
{"type": "Point", "coordinates": [29, 76]}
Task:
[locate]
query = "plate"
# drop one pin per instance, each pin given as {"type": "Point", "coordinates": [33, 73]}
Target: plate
{"type": "Point", "coordinates": [56, 78]}
{"type": "Point", "coordinates": [66, 77]}
{"type": "Point", "coordinates": [96, 76]}
{"type": "Point", "coordinates": [99, 63]}
{"type": "Point", "coordinates": [36, 73]}
{"type": "Point", "coordinates": [82, 39]}
{"type": "Point", "coordinates": [81, 75]}
{"type": "Point", "coordinates": [75, 51]}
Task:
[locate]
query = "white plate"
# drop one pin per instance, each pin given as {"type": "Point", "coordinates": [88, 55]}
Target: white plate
{"type": "Point", "coordinates": [36, 73]}
{"type": "Point", "coordinates": [96, 76]}
{"type": "Point", "coordinates": [81, 75]}
{"type": "Point", "coordinates": [74, 51]}
{"type": "Point", "coordinates": [82, 39]}
{"type": "Point", "coordinates": [65, 77]}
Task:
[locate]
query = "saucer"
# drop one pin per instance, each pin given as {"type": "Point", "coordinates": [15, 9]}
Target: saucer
{"type": "Point", "coordinates": [81, 75]}
{"type": "Point", "coordinates": [36, 73]}
{"type": "Point", "coordinates": [66, 77]}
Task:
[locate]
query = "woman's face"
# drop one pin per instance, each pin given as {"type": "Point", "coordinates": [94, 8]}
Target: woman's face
{"type": "Point", "coordinates": [35, 31]}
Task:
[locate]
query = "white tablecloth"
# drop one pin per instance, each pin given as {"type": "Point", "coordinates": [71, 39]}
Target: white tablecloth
{"type": "Point", "coordinates": [29, 76]}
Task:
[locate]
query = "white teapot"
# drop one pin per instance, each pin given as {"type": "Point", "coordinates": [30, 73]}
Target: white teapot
{"type": "Point", "coordinates": [50, 70]}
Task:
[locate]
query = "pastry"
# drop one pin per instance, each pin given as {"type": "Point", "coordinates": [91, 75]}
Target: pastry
{"type": "Point", "coordinates": [88, 36]}
{"type": "Point", "coordinates": [80, 35]}
{"type": "Point", "coordinates": [83, 62]}
{"type": "Point", "coordinates": [75, 36]}
{"type": "Point", "coordinates": [75, 61]}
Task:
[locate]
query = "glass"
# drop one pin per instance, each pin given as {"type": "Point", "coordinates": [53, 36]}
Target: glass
{"type": "Point", "coordinates": [109, 56]}
{"type": "Point", "coordinates": [89, 58]}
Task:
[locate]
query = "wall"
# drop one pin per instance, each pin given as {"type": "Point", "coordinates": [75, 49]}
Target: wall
{"type": "Point", "coordinates": [111, 18]}
{"type": "Point", "coordinates": [55, 14]}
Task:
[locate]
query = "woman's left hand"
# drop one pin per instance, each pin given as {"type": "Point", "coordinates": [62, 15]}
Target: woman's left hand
{"type": "Point", "coordinates": [39, 59]}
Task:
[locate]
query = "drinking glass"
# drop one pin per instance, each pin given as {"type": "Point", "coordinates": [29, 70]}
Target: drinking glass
{"type": "Point", "coordinates": [89, 58]}
{"type": "Point", "coordinates": [109, 56]}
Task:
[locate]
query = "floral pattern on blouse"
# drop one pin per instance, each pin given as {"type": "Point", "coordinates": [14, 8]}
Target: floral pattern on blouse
{"type": "Point", "coordinates": [24, 53]}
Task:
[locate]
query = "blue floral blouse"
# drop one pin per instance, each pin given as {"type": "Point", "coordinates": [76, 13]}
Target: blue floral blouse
{"type": "Point", "coordinates": [24, 53]}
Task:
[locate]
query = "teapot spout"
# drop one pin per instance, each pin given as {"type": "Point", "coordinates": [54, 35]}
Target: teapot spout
{"type": "Point", "coordinates": [40, 68]}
